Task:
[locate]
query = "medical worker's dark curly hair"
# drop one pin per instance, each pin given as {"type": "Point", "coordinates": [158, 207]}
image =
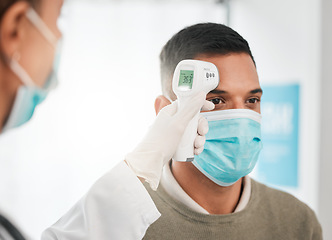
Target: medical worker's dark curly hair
{"type": "Point", "coordinates": [203, 38]}
{"type": "Point", "coordinates": [6, 4]}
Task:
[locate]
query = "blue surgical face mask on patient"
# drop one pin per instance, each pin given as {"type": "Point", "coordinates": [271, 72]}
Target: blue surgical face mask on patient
{"type": "Point", "coordinates": [232, 145]}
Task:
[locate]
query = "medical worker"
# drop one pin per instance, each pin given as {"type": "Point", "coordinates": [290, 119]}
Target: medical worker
{"type": "Point", "coordinates": [117, 206]}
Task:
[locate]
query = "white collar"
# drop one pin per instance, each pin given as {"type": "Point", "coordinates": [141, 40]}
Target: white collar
{"type": "Point", "coordinates": [172, 187]}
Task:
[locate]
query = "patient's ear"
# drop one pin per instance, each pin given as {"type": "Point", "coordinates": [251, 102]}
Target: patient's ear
{"type": "Point", "coordinates": [160, 102]}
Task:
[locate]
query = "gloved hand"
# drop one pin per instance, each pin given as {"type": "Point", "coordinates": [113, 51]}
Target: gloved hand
{"type": "Point", "coordinates": [163, 137]}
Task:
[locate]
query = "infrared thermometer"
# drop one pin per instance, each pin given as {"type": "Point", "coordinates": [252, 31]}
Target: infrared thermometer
{"type": "Point", "coordinates": [191, 77]}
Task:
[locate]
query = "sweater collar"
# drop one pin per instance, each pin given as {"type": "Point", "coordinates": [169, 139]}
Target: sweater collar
{"type": "Point", "coordinates": [172, 188]}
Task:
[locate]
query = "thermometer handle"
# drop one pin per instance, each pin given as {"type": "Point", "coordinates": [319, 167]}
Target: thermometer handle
{"type": "Point", "coordinates": [185, 150]}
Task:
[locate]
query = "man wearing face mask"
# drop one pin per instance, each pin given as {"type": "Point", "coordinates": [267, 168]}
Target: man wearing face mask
{"type": "Point", "coordinates": [213, 197]}
{"type": "Point", "coordinates": [117, 206]}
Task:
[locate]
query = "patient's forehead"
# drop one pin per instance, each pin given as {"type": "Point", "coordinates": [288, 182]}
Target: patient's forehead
{"type": "Point", "coordinates": [236, 70]}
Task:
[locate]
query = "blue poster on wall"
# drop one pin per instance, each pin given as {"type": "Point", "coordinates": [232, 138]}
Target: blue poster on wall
{"type": "Point", "coordinates": [278, 162]}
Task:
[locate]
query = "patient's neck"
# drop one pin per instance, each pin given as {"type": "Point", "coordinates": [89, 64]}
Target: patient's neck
{"type": "Point", "coordinates": [213, 198]}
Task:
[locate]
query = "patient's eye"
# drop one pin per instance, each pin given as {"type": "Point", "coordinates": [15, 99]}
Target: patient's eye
{"type": "Point", "coordinates": [219, 103]}
{"type": "Point", "coordinates": [253, 100]}
{"type": "Point", "coordinates": [216, 101]}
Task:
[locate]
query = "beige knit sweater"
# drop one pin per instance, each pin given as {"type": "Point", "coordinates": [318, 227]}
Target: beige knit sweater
{"type": "Point", "coordinates": [270, 214]}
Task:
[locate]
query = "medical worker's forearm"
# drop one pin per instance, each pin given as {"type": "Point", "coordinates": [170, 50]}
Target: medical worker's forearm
{"type": "Point", "coordinates": [140, 178]}
{"type": "Point", "coordinates": [116, 207]}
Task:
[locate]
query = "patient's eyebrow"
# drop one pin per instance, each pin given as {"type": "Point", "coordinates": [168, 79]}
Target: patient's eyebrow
{"type": "Point", "coordinates": [216, 91]}
{"type": "Point", "coordinates": [257, 90]}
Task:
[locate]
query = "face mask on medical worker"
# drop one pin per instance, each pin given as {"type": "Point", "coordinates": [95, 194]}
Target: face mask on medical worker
{"type": "Point", "coordinates": [29, 95]}
{"type": "Point", "coordinates": [232, 145]}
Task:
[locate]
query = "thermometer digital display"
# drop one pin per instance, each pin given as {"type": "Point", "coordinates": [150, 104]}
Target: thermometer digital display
{"type": "Point", "coordinates": [186, 79]}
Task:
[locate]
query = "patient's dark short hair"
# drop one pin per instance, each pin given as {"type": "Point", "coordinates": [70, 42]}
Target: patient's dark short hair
{"type": "Point", "coordinates": [192, 41]}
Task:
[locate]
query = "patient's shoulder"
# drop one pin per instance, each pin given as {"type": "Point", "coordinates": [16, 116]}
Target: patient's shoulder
{"type": "Point", "coordinates": [284, 208]}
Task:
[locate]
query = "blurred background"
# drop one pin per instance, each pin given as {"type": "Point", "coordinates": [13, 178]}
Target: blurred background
{"type": "Point", "coordinates": [109, 79]}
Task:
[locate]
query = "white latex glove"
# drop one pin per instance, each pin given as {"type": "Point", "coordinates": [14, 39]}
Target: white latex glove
{"type": "Point", "coordinates": [163, 137]}
{"type": "Point", "coordinates": [202, 130]}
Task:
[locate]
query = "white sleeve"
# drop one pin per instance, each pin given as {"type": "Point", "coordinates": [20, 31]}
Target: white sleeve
{"type": "Point", "coordinates": [116, 207]}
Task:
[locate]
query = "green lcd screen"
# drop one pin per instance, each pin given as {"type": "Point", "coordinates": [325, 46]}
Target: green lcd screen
{"type": "Point", "coordinates": [186, 79]}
